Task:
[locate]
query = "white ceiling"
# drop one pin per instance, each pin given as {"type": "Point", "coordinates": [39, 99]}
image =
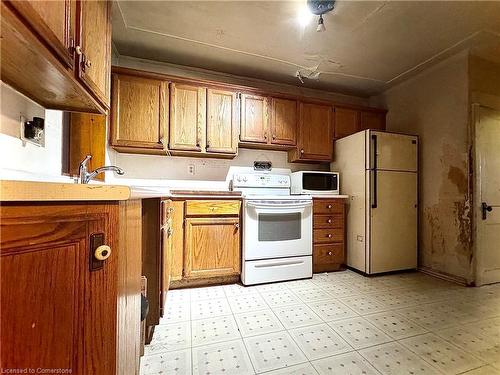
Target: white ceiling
{"type": "Point", "coordinates": [367, 47]}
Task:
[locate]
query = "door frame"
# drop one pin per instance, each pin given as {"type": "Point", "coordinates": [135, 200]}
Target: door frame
{"type": "Point", "coordinates": [491, 102]}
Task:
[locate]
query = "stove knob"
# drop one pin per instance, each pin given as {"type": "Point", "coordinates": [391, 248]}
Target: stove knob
{"type": "Point", "coordinates": [245, 179]}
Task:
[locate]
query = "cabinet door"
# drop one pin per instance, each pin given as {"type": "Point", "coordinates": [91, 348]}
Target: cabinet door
{"type": "Point", "coordinates": [166, 250]}
{"type": "Point", "coordinates": [346, 122]}
{"type": "Point", "coordinates": [284, 122]}
{"type": "Point", "coordinates": [94, 54]}
{"type": "Point", "coordinates": [139, 112]}
{"type": "Point", "coordinates": [56, 313]}
{"type": "Point", "coordinates": [177, 239]}
{"type": "Point", "coordinates": [187, 117]}
{"type": "Point", "coordinates": [372, 120]}
{"type": "Point", "coordinates": [54, 22]}
{"type": "Point", "coordinates": [315, 132]}
{"type": "Point", "coordinates": [222, 121]}
{"type": "Point", "coordinates": [212, 247]}
{"type": "Point", "coordinates": [254, 119]}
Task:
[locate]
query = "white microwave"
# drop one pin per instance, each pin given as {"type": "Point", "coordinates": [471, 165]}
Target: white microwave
{"type": "Point", "coordinates": [315, 182]}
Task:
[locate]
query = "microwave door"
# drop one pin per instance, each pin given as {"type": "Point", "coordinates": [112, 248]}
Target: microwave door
{"type": "Point", "coordinates": [319, 182]}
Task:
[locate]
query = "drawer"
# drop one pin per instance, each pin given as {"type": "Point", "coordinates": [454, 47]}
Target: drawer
{"type": "Point", "coordinates": [328, 206]}
{"type": "Point", "coordinates": [328, 235]}
{"type": "Point", "coordinates": [328, 221]}
{"type": "Point", "coordinates": [212, 207]}
{"type": "Point", "coordinates": [328, 254]}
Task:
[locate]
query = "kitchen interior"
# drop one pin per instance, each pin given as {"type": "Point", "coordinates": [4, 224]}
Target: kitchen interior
{"type": "Point", "coordinates": [249, 187]}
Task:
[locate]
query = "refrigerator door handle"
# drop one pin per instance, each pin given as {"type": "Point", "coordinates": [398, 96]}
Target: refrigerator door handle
{"type": "Point", "coordinates": [374, 195]}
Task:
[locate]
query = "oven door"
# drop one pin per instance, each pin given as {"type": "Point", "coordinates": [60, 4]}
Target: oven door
{"type": "Point", "coordinates": [277, 229]}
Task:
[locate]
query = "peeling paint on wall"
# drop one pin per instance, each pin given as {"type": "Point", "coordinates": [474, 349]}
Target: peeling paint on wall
{"type": "Point", "coordinates": [441, 122]}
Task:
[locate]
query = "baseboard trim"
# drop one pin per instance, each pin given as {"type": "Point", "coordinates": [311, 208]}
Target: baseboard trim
{"type": "Point", "coordinates": [444, 276]}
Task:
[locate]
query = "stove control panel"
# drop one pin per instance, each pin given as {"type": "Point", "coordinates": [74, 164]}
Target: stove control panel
{"type": "Point", "coordinates": [264, 180]}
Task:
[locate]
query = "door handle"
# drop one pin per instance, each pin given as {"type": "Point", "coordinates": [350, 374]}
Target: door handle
{"type": "Point", "coordinates": [485, 209]}
{"type": "Point", "coordinates": [375, 187]}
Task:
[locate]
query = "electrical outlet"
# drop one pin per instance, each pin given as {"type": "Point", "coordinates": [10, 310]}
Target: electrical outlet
{"type": "Point", "coordinates": [191, 169]}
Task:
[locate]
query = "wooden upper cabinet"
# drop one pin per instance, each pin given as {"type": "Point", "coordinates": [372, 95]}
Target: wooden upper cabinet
{"type": "Point", "coordinates": [188, 107]}
{"type": "Point", "coordinates": [94, 48]}
{"type": "Point", "coordinates": [283, 121]}
{"type": "Point", "coordinates": [54, 21]}
{"type": "Point", "coordinates": [212, 247]}
{"type": "Point", "coordinates": [45, 45]}
{"type": "Point", "coordinates": [315, 141]}
{"type": "Point", "coordinates": [222, 121]}
{"type": "Point", "coordinates": [254, 119]}
{"type": "Point", "coordinates": [139, 115]}
{"type": "Point", "coordinates": [372, 120]}
{"type": "Point", "coordinates": [347, 122]}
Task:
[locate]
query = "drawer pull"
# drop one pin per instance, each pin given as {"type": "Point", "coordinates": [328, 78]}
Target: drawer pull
{"type": "Point", "coordinates": [329, 206]}
{"type": "Point", "coordinates": [329, 235]}
{"type": "Point", "coordinates": [329, 221]}
{"type": "Point", "coordinates": [329, 253]}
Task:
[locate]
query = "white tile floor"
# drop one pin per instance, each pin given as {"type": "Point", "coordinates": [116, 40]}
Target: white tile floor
{"type": "Point", "coordinates": [337, 323]}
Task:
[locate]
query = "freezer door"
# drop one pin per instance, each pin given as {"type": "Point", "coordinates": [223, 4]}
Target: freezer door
{"type": "Point", "coordinates": [390, 151]}
{"type": "Point", "coordinates": [393, 221]}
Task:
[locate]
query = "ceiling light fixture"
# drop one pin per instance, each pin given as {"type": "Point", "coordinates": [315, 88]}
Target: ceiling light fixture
{"type": "Point", "coordinates": [320, 7]}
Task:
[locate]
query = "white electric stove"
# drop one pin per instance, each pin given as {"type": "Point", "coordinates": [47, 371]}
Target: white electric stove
{"type": "Point", "coordinates": [277, 229]}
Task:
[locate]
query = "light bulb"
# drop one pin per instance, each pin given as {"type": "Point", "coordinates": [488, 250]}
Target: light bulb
{"type": "Point", "coordinates": [321, 25]}
{"type": "Point", "coordinates": [304, 16]}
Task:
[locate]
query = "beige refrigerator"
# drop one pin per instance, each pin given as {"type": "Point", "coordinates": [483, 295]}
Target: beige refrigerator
{"type": "Point", "coordinates": [379, 170]}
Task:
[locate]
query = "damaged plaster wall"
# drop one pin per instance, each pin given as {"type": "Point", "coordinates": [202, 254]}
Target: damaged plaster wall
{"type": "Point", "coordinates": [434, 106]}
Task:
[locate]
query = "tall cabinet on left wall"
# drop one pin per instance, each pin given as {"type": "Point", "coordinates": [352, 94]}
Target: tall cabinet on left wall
{"type": "Point", "coordinates": [58, 53]}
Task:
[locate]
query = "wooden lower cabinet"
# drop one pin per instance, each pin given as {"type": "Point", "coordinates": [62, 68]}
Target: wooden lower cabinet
{"type": "Point", "coordinates": [206, 242]}
{"type": "Point", "coordinates": [328, 234]}
{"type": "Point", "coordinates": [212, 247]}
{"type": "Point", "coordinates": [57, 311]}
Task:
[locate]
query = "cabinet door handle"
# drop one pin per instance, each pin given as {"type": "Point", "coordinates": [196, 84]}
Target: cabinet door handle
{"type": "Point", "coordinates": [78, 50]}
{"type": "Point", "coordinates": [329, 206]}
{"type": "Point", "coordinates": [274, 137]}
{"type": "Point", "coordinates": [88, 63]}
{"type": "Point", "coordinates": [265, 136]}
{"type": "Point", "coordinates": [329, 235]}
{"type": "Point", "coordinates": [236, 225]}
{"type": "Point", "coordinates": [302, 151]}
{"type": "Point", "coordinates": [329, 221]}
{"type": "Point", "coordinates": [329, 253]}
{"type": "Point", "coordinates": [102, 252]}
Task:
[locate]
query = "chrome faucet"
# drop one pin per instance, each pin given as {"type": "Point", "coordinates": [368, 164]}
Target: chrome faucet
{"type": "Point", "coordinates": [85, 176]}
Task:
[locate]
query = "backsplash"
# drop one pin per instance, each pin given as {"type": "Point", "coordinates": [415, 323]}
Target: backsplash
{"type": "Point", "coordinates": [156, 167]}
{"type": "Point", "coordinates": [25, 157]}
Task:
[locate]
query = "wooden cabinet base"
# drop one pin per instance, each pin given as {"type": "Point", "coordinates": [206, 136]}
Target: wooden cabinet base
{"type": "Point", "coordinates": [328, 267]}
{"type": "Point", "coordinates": [210, 281]}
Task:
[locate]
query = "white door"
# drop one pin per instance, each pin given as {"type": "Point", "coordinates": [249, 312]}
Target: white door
{"type": "Point", "coordinates": [393, 221]}
{"type": "Point", "coordinates": [487, 169]}
{"type": "Point", "coordinates": [392, 152]}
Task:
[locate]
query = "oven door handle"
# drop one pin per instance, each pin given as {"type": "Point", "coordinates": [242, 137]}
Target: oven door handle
{"type": "Point", "coordinates": [280, 205]}
{"type": "Point", "coordinates": [280, 264]}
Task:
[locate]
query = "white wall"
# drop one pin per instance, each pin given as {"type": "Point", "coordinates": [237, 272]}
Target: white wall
{"type": "Point", "coordinates": [27, 158]}
{"type": "Point", "coordinates": [434, 105]}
